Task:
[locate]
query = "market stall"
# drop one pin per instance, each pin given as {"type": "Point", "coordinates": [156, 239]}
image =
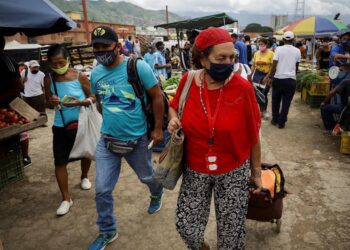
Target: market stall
{"type": "Point", "coordinates": [40, 17]}
{"type": "Point", "coordinates": [19, 118]}
{"type": "Point", "coordinates": [199, 23]}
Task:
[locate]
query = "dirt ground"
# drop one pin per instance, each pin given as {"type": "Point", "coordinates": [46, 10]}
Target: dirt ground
{"type": "Point", "coordinates": [316, 214]}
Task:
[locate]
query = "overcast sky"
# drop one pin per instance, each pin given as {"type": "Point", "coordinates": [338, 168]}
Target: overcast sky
{"type": "Point", "coordinates": [317, 7]}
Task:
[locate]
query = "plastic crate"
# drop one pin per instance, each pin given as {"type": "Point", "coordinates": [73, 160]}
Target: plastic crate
{"type": "Point", "coordinates": [345, 143]}
{"type": "Point", "coordinates": [320, 88]}
{"type": "Point", "coordinates": [314, 101]}
{"type": "Point", "coordinates": [11, 162]}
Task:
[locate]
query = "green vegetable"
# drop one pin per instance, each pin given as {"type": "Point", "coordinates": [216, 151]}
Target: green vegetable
{"type": "Point", "coordinates": [306, 79]}
{"type": "Point", "coordinates": [171, 87]}
{"type": "Point", "coordinates": [171, 81]}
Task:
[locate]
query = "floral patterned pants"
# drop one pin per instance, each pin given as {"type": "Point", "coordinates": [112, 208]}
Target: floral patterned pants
{"type": "Point", "coordinates": [231, 203]}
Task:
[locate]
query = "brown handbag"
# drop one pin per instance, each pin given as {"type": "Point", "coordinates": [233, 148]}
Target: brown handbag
{"type": "Point", "coordinates": [171, 161]}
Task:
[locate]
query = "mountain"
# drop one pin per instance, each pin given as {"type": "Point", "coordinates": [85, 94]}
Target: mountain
{"type": "Point", "coordinates": [118, 12]}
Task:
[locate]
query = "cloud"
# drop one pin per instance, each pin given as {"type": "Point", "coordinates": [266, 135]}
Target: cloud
{"type": "Point", "coordinates": [312, 7]}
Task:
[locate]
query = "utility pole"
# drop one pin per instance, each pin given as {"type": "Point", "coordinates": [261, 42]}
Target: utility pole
{"type": "Point", "coordinates": [86, 22]}
{"type": "Point", "coordinates": [167, 17]}
{"type": "Point", "coordinates": [299, 10]}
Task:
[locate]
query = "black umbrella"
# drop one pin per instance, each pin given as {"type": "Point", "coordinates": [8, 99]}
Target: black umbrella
{"type": "Point", "coordinates": [32, 18]}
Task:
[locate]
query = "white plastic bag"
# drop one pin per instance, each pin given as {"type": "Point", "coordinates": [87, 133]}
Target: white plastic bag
{"type": "Point", "coordinates": [88, 133]}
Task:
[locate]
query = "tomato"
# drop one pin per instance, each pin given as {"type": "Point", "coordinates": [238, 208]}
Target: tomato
{"type": "Point", "coordinates": [14, 119]}
{"type": "Point", "coordinates": [2, 117]}
{"type": "Point", "coordinates": [10, 114]}
{"type": "Point", "coordinates": [3, 111]}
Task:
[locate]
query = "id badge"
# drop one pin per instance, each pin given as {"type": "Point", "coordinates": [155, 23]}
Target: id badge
{"type": "Point", "coordinates": [212, 161]}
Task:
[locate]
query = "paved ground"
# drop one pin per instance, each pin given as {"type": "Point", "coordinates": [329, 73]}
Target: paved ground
{"type": "Point", "coordinates": [316, 215]}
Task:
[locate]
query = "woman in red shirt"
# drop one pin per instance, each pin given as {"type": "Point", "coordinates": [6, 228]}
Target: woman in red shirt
{"type": "Point", "coordinates": [221, 122]}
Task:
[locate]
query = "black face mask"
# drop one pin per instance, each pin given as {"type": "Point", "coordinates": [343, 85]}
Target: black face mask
{"type": "Point", "coordinates": [106, 58]}
{"type": "Point", "coordinates": [220, 72]}
{"type": "Point", "coordinates": [35, 71]}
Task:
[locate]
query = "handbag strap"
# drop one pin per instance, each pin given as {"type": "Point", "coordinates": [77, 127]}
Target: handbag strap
{"type": "Point", "coordinates": [185, 91]}
{"type": "Point", "coordinates": [56, 92]}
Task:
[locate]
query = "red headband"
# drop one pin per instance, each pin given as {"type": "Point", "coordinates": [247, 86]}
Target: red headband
{"type": "Point", "coordinates": [211, 37]}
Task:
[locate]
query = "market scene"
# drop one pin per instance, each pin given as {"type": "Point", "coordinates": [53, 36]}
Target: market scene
{"type": "Point", "coordinates": [174, 124]}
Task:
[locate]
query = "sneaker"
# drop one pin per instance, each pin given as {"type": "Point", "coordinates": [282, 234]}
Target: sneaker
{"type": "Point", "coordinates": [64, 207]}
{"type": "Point", "coordinates": [27, 161]}
{"type": "Point", "coordinates": [274, 123]}
{"type": "Point", "coordinates": [85, 184]}
{"type": "Point", "coordinates": [156, 203]}
{"type": "Point", "coordinates": [266, 115]}
{"type": "Point", "coordinates": [103, 240]}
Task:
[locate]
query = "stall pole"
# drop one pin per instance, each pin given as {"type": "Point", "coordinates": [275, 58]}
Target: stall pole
{"type": "Point", "coordinates": [86, 22]}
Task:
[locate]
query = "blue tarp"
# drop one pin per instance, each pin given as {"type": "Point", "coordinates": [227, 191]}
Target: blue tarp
{"type": "Point", "coordinates": [32, 18]}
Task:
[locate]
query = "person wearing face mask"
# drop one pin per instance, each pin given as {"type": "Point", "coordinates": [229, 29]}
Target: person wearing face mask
{"type": "Point", "coordinates": [329, 109]}
{"type": "Point", "coordinates": [34, 87]}
{"type": "Point", "coordinates": [222, 144]}
{"type": "Point", "coordinates": [262, 64]}
{"type": "Point", "coordinates": [66, 83]}
{"type": "Point", "coordinates": [340, 52]}
{"type": "Point", "coordinates": [160, 64]}
{"type": "Point", "coordinates": [124, 129]}
{"type": "Point", "coordinates": [149, 56]}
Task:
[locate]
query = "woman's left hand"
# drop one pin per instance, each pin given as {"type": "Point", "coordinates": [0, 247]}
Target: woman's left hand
{"type": "Point", "coordinates": [256, 179]}
{"type": "Point", "coordinates": [74, 103]}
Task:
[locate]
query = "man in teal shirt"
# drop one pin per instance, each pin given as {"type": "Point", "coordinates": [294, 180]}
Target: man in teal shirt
{"type": "Point", "coordinates": [124, 129]}
{"type": "Point", "coordinates": [160, 64]}
{"type": "Point", "coordinates": [149, 56]}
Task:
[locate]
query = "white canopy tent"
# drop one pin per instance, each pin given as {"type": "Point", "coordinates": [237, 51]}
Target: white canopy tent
{"type": "Point", "coordinates": [14, 45]}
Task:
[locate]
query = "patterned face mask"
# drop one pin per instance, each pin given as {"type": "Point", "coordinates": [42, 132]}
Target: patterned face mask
{"type": "Point", "coordinates": [105, 58]}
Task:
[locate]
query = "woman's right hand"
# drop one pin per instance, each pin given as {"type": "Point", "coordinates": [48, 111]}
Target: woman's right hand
{"type": "Point", "coordinates": [54, 100]}
{"type": "Point", "coordinates": [174, 124]}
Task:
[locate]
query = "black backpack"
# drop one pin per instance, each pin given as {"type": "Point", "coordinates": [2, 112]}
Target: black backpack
{"type": "Point", "coordinates": [141, 93]}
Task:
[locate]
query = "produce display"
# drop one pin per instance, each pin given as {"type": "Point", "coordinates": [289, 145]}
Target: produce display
{"type": "Point", "coordinates": [171, 83]}
{"type": "Point", "coordinates": [9, 117]}
{"type": "Point", "coordinates": [306, 78]}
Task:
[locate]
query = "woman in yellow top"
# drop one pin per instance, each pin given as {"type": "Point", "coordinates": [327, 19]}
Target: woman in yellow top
{"type": "Point", "coordinates": [262, 64]}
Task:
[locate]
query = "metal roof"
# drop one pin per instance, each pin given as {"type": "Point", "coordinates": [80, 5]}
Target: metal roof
{"type": "Point", "coordinates": [217, 20]}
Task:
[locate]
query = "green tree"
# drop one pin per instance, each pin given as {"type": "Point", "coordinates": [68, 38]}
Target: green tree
{"type": "Point", "coordinates": [256, 27]}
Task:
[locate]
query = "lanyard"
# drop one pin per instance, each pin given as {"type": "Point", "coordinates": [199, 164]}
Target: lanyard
{"type": "Point", "coordinates": [207, 110]}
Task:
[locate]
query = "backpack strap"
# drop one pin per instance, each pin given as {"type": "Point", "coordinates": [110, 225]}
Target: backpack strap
{"type": "Point", "coordinates": [134, 80]}
{"type": "Point", "coordinates": [185, 91]}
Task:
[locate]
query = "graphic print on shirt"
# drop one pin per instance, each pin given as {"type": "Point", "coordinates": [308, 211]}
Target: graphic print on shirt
{"type": "Point", "coordinates": [114, 98]}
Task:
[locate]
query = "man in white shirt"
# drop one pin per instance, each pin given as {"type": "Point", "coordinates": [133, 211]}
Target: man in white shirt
{"type": "Point", "coordinates": [34, 87]}
{"type": "Point", "coordinates": [285, 65]}
{"type": "Point", "coordinates": [137, 47]}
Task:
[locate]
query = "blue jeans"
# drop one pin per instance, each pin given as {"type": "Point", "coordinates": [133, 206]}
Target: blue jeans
{"type": "Point", "coordinates": [327, 112]}
{"type": "Point", "coordinates": [107, 174]}
{"type": "Point", "coordinates": [282, 91]}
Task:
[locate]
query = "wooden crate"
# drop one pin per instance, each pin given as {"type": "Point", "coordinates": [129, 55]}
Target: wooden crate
{"type": "Point", "coordinates": [17, 129]}
{"type": "Point", "coordinates": [345, 143]}
{"type": "Point", "coordinates": [320, 88]}
{"type": "Point", "coordinates": [304, 93]}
